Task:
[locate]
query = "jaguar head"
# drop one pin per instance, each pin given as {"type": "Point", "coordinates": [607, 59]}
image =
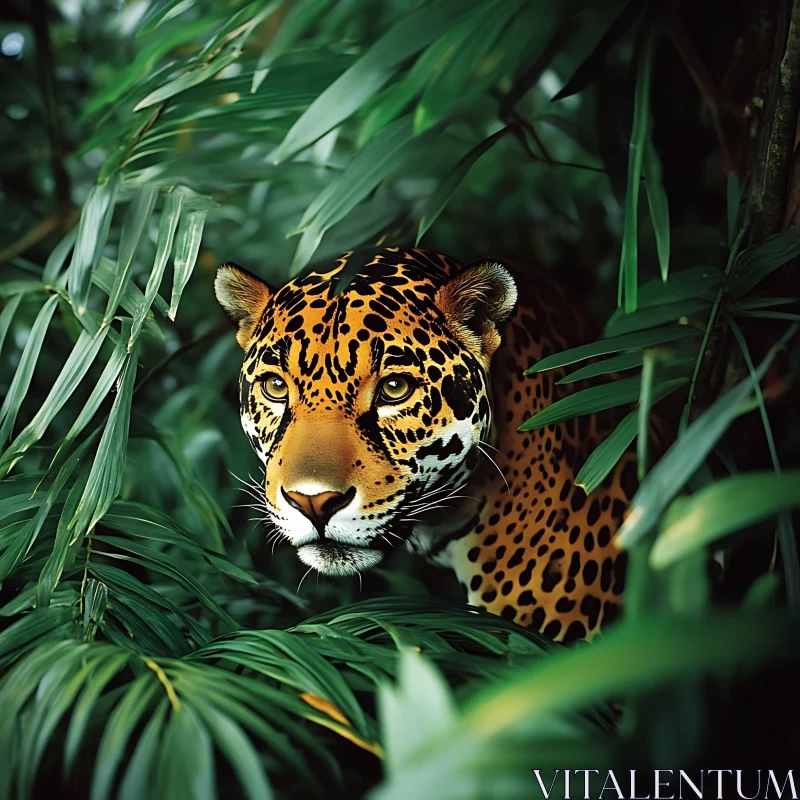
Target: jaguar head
{"type": "Point", "coordinates": [365, 405]}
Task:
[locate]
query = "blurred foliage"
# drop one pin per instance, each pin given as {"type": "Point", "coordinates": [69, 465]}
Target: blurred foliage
{"type": "Point", "coordinates": [151, 645]}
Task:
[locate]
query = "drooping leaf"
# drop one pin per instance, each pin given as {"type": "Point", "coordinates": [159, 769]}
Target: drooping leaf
{"type": "Point", "coordinates": [721, 508]}
{"type": "Point", "coordinates": [628, 341]}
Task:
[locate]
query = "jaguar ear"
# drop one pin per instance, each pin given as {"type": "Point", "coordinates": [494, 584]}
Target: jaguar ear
{"type": "Point", "coordinates": [475, 302]}
{"type": "Point", "coordinates": [243, 296]}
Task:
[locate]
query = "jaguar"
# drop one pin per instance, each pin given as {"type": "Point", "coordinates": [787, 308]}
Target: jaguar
{"type": "Point", "coordinates": [384, 398]}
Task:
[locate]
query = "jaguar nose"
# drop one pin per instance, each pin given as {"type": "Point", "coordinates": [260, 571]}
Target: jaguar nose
{"type": "Point", "coordinates": [319, 508]}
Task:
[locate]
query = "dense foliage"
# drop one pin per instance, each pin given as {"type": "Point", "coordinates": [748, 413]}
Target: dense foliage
{"type": "Point", "coordinates": [152, 644]}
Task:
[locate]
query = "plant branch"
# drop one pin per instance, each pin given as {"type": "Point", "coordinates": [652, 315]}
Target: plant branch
{"type": "Point", "coordinates": [781, 130]}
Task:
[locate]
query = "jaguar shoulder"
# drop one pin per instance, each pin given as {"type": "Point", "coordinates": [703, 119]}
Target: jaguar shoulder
{"type": "Point", "coordinates": [387, 413]}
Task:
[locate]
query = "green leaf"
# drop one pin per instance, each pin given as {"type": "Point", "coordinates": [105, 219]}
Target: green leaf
{"type": "Point", "coordinates": [138, 697]}
{"type": "Point", "coordinates": [653, 316]}
{"type": "Point", "coordinates": [723, 507]}
{"type": "Point", "coordinates": [302, 14]}
{"type": "Point", "coordinates": [92, 234]}
{"type": "Point", "coordinates": [628, 341]}
{"type": "Point", "coordinates": [415, 712]}
{"type": "Point", "coordinates": [186, 763]}
{"type": "Point", "coordinates": [593, 399]}
{"type": "Point", "coordinates": [591, 67]}
{"type": "Point", "coordinates": [133, 226]}
{"type": "Point", "coordinates": [137, 782]}
{"type": "Point", "coordinates": [468, 45]}
{"type": "Point", "coordinates": [192, 77]}
{"type": "Point", "coordinates": [105, 478]}
{"type": "Point", "coordinates": [606, 455]}
{"type": "Point", "coordinates": [102, 675]}
{"type": "Point", "coordinates": [604, 367]}
{"type": "Point", "coordinates": [238, 749]}
{"type": "Point", "coordinates": [24, 373]}
{"type": "Point", "coordinates": [441, 197]}
{"type": "Point", "coordinates": [167, 224]}
{"type": "Point", "coordinates": [160, 12]}
{"type": "Point", "coordinates": [640, 134]}
{"type": "Point", "coordinates": [381, 156]}
{"type": "Point", "coordinates": [72, 374]}
{"type": "Point", "coordinates": [659, 206]}
{"type": "Point", "coordinates": [645, 403]}
{"type": "Point", "coordinates": [372, 71]}
{"type": "Point", "coordinates": [7, 315]}
{"type": "Point", "coordinates": [682, 459]}
{"type": "Point", "coordinates": [187, 245]}
{"type": "Point", "coordinates": [757, 262]}
{"type": "Point", "coordinates": [57, 257]}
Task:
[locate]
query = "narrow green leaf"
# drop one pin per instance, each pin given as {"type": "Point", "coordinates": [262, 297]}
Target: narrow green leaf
{"type": "Point", "coordinates": [27, 363]}
{"type": "Point", "coordinates": [441, 197]}
{"type": "Point", "coordinates": [133, 226]}
{"type": "Point", "coordinates": [192, 77]}
{"type": "Point", "coordinates": [591, 67]}
{"type": "Point", "coordinates": [645, 402]}
{"type": "Point", "coordinates": [606, 455]}
{"type": "Point", "coordinates": [659, 206]}
{"type": "Point", "coordinates": [468, 44]}
{"type": "Point", "coordinates": [138, 780]}
{"type": "Point", "coordinates": [415, 31]}
{"type": "Point", "coordinates": [138, 697]}
{"type": "Point", "coordinates": [640, 133]}
{"type": "Point", "coordinates": [167, 224]}
{"type": "Point", "coordinates": [92, 234]}
{"type": "Point", "coordinates": [723, 507]}
{"type": "Point", "coordinates": [160, 12]}
{"type": "Point", "coordinates": [300, 17]}
{"type": "Point", "coordinates": [186, 763]}
{"type": "Point", "coordinates": [187, 245]}
{"type": "Point", "coordinates": [628, 341]}
{"type": "Point", "coordinates": [72, 373]}
{"type": "Point", "coordinates": [238, 749]}
{"type": "Point", "coordinates": [7, 315]}
{"type": "Point", "coordinates": [654, 316]}
{"type": "Point", "coordinates": [58, 255]}
{"type": "Point", "coordinates": [606, 366]}
{"type": "Point", "coordinates": [593, 399]}
{"type": "Point", "coordinates": [757, 262]}
{"type": "Point", "coordinates": [682, 459]}
{"type": "Point", "coordinates": [105, 479]}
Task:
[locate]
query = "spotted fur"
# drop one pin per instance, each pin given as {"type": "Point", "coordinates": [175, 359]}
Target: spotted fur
{"type": "Point", "coordinates": [446, 472]}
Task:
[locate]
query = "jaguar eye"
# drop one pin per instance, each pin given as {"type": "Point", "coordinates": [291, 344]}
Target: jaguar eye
{"type": "Point", "coordinates": [275, 388]}
{"type": "Point", "coordinates": [395, 389]}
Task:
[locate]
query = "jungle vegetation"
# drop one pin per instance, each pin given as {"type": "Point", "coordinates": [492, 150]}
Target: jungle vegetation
{"type": "Point", "coordinates": [152, 644]}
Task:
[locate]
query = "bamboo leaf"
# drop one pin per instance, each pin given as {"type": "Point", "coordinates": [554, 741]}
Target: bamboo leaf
{"type": "Point", "coordinates": [91, 239]}
{"type": "Point", "coordinates": [27, 363]}
{"type": "Point", "coordinates": [721, 508]}
{"type": "Point", "coordinates": [167, 224]}
{"type": "Point", "coordinates": [441, 197]}
{"type": "Point", "coordinates": [659, 206]}
{"type": "Point", "coordinates": [629, 258]}
{"type": "Point", "coordinates": [187, 246]}
{"type": "Point", "coordinates": [371, 72]}
{"type": "Point", "coordinates": [133, 226]}
{"type": "Point", "coordinates": [105, 478]}
{"type": "Point", "coordinates": [7, 316]}
{"type": "Point", "coordinates": [601, 347]}
{"type": "Point", "coordinates": [72, 374]}
{"type": "Point", "coordinates": [668, 476]}
{"type": "Point", "coordinates": [757, 262]}
{"type": "Point", "coordinates": [300, 17]}
{"type": "Point", "coordinates": [606, 366]}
